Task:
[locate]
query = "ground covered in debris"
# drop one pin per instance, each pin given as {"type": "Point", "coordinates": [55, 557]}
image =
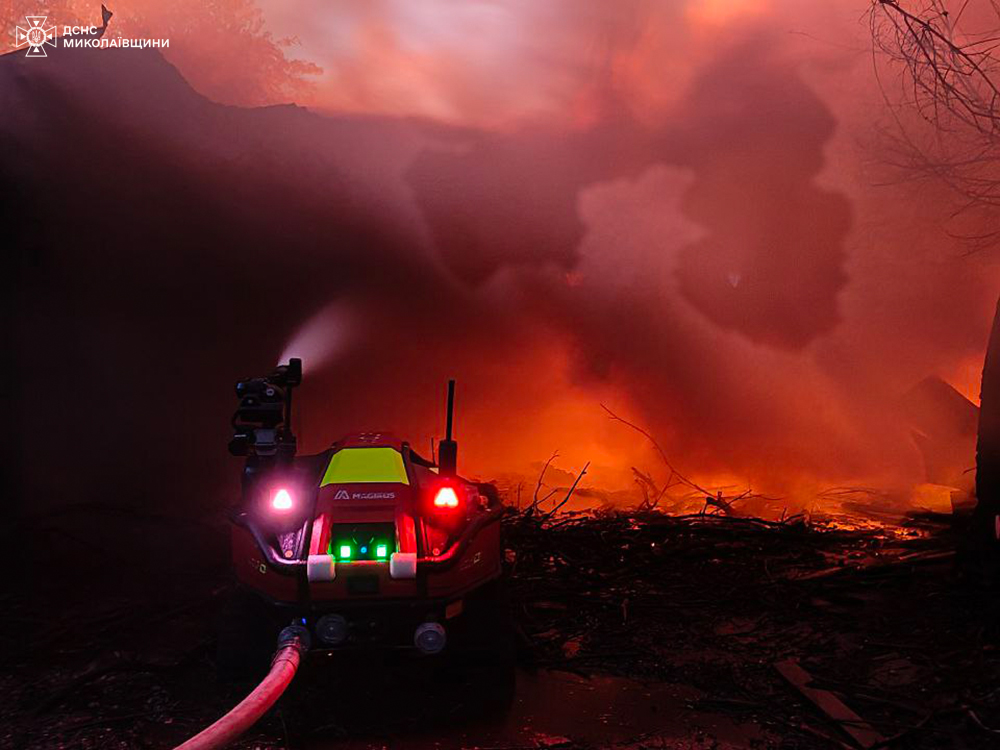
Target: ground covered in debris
{"type": "Point", "coordinates": [635, 629]}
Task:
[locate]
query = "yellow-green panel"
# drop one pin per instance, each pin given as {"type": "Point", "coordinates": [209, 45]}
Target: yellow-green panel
{"type": "Point", "coordinates": [361, 465]}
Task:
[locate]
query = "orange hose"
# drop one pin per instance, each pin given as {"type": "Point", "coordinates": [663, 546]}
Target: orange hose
{"type": "Point", "coordinates": [245, 714]}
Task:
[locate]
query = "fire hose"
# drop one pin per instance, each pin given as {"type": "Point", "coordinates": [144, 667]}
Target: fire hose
{"type": "Point", "coordinates": [293, 642]}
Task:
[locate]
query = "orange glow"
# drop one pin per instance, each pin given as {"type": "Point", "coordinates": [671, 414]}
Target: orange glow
{"type": "Point", "coordinates": [967, 378]}
{"type": "Point", "coordinates": [724, 11]}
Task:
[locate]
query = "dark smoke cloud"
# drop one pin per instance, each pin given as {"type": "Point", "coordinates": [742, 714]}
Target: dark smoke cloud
{"type": "Point", "coordinates": [772, 263]}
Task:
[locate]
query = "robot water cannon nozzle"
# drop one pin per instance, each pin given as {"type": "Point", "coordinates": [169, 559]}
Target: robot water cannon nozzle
{"type": "Point", "coordinates": [262, 423]}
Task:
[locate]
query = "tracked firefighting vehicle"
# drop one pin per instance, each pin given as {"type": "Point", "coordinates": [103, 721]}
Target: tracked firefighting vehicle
{"type": "Point", "coordinates": [364, 544]}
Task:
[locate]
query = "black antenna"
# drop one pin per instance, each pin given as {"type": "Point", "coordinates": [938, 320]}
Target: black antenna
{"type": "Point", "coordinates": [451, 409]}
{"type": "Point", "coordinates": [448, 448]}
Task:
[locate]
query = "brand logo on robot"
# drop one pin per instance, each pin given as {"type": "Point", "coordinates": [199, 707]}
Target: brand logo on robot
{"type": "Point", "coordinates": [345, 495]}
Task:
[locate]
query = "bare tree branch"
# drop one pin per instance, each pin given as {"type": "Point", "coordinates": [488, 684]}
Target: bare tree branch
{"type": "Point", "coordinates": [674, 474]}
{"type": "Point", "coordinates": [536, 501]}
{"type": "Point", "coordinates": [570, 492]}
{"type": "Point", "coordinates": [951, 79]}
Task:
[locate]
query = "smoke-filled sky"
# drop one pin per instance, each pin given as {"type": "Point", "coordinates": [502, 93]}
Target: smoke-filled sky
{"type": "Point", "coordinates": [690, 211]}
{"type": "Point", "coordinates": [508, 64]}
{"type": "Point", "coordinates": [752, 279]}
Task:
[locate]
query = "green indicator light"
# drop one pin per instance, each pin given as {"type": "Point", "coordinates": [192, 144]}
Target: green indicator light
{"type": "Point", "coordinates": [345, 551]}
{"type": "Point", "coordinates": [381, 551]}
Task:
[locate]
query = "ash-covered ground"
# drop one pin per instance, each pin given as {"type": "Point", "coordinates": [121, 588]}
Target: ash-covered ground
{"type": "Point", "coordinates": [633, 630]}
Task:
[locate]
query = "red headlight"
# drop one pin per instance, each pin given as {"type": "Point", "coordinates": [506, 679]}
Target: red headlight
{"type": "Point", "coordinates": [281, 501]}
{"type": "Point", "coordinates": [446, 498]}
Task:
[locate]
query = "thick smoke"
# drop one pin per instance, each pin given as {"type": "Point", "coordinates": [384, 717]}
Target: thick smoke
{"type": "Point", "coordinates": [766, 301]}
{"type": "Point", "coordinates": [678, 210]}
